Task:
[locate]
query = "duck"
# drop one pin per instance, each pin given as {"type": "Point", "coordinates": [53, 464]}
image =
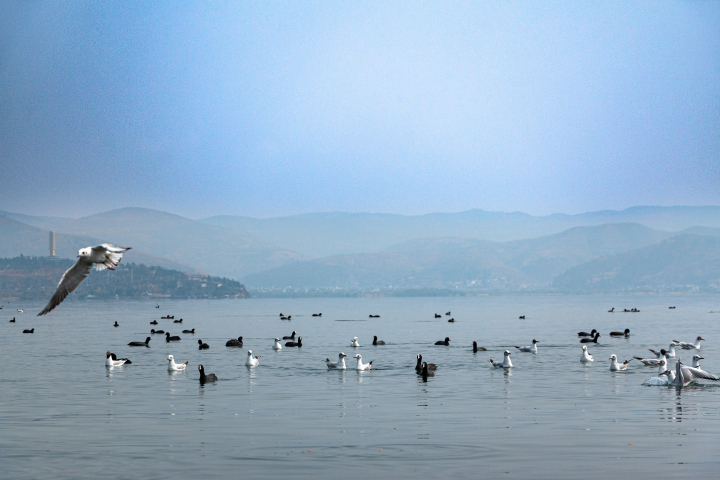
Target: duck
{"type": "Point", "coordinates": [13, 320]}
{"type": "Point", "coordinates": [277, 345]}
{"type": "Point", "coordinates": [210, 377]}
{"type": "Point", "coordinates": [377, 342]}
{"type": "Point", "coordinates": [290, 337]}
{"type": "Point", "coordinates": [286, 318]}
{"type": "Point", "coordinates": [530, 349]}
{"type": "Point", "coordinates": [362, 366]}
{"type": "Point", "coordinates": [161, 332]}
{"type": "Point", "coordinates": [202, 346]}
{"type": "Point", "coordinates": [438, 316]}
{"type": "Point", "coordinates": [112, 361]}
{"type": "Point", "coordinates": [374, 316]}
{"type": "Point", "coordinates": [177, 321]}
{"type": "Point", "coordinates": [652, 362]}
{"type": "Point", "coordinates": [445, 342]}
{"type": "Point", "coordinates": [522, 317]}
{"type": "Point", "coordinates": [154, 322]}
{"type": "Point", "coordinates": [419, 366]}
{"type": "Point", "coordinates": [252, 361]}
{"type": "Point", "coordinates": [339, 365]}
{"type": "Point", "coordinates": [611, 310]}
{"type": "Point", "coordinates": [586, 356]}
{"type": "Point", "coordinates": [175, 367]}
{"type": "Point", "coordinates": [234, 342]}
{"type": "Point", "coordinates": [192, 330]}
{"type": "Point", "coordinates": [294, 344]}
{"type": "Point", "coordinates": [425, 371]}
{"type": "Point", "coordinates": [591, 340]}
{"type": "Point", "coordinates": [116, 324]}
{"type": "Point", "coordinates": [354, 342]}
{"type": "Point", "coordinates": [452, 320]}
{"type": "Point", "coordinates": [478, 349]}
{"type": "Point", "coordinates": [626, 333]}
{"type": "Point", "coordinates": [32, 330]}
{"type": "Point", "coordinates": [586, 334]}
{"type": "Point", "coordinates": [317, 314]}
{"type": "Point", "coordinates": [168, 338]}
{"type": "Point", "coordinates": [618, 367]}
{"type": "Point", "coordinates": [506, 363]}
{"type": "Point", "coordinates": [146, 343]}
{"type": "Point", "coordinates": [447, 313]}
{"type": "Point", "coordinates": [690, 346]}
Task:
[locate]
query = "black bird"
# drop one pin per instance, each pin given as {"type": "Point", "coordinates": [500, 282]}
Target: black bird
{"type": "Point", "coordinates": [116, 324]}
{"type": "Point", "coordinates": [438, 316]}
{"type": "Point", "coordinates": [32, 330]}
{"type": "Point", "coordinates": [168, 338]}
{"type": "Point", "coordinates": [626, 333]}
{"type": "Point", "coordinates": [162, 332]}
{"type": "Point", "coordinates": [286, 318]}
{"type": "Point", "coordinates": [478, 349]}
{"type": "Point", "coordinates": [591, 340]}
{"type": "Point", "coordinates": [291, 337]}
{"type": "Point", "coordinates": [154, 322]}
{"type": "Point", "coordinates": [317, 314]}
{"type": "Point", "coordinates": [452, 320]}
{"type": "Point", "coordinates": [234, 343]}
{"type": "Point", "coordinates": [189, 331]}
{"type": "Point", "coordinates": [419, 365]}
{"type": "Point", "coordinates": [447, 313]}
{"type": "Point", "coordinates": [282, 315]}
{"type": "Point", "coordinates": [127, 360]}
{"type": "Point", "coordinates": [522, 317]}
{"type": "Point", "coordinates": [294, 344]}
{"type": "Point", "coordinates": [377, 342]}
{"type": "Point", "coordinates": [13, 320]}
{"type": "Point", "coordinates": [374, 316]}
{"type": "Point", "coordinates": [426, 372]}
{"type": "Point", "coordinates": [611, 310]}
{"type": "Point", "coordinates": [586, 334]}
{"type": "Point", "coordinates": [202, 346]}
{"type": "Point", "coordinates": [210, 377]}
{"type": "Point", "coordinates": [445, 342]}
{"type": "Point", "coordinates": [140, 344]}
{"type": "Point", "coordinates": [177, 321]}
{"type": "Point", "coordinates": [167, 317]}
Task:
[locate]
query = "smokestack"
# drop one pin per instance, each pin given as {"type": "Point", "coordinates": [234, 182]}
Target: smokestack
{"type": "Point", "coordinates": [52, 243]}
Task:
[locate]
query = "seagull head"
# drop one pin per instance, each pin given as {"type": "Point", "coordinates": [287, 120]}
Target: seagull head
{"type": "Point", "coordinates": [84, 252]}
{"type": "Point", "coordinates": [342, 355]}
{"type": "Point", "coordinates": [507, 353]}
{"type": "Point", "coordinates": [249, 353]}
{"type": "Point", "coordinates": [108, 354]}
{"type": "Point", "coordinates": [170, 357]}
{"type": "Point", "coordinates": [358, 356]}
{"type": "Point", "coordinates": [697, 357]}
{"type": "Point", "coordinates": [584, 347]}
{"type": "Point", "coordinates": [613, 357]}
{"type": "Point", "coordinates": [535, 341]}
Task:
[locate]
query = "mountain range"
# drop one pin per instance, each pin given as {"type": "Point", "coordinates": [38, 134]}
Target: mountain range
{"type": "Point", "coordinates": [473, 250]}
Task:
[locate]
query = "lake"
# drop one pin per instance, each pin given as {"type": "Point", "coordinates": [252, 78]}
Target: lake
{"type": "Point", "coordinates": [63, 414]}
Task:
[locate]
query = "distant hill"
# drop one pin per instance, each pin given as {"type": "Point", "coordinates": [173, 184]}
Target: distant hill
{"type": "Point", "coordinates": [678, 263]}
{"type": "Point", "coordinates": [450, 262]}
{"type": "Point", "coordinates": [36, 278]}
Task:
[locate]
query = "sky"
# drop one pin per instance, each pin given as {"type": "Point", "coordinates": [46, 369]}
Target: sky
{"type": "Point", "coordinates": [278, 108]}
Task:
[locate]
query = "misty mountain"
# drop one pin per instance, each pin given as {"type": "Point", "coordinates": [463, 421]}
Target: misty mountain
{"type": "Point", "coordinates": [448, 262]}
{"type": "Point", "coordinates": [19, 239]}
{"type": "Point", "coordinates": [673, 263]}
{"type": "Point", "coordinates": [319, 235]}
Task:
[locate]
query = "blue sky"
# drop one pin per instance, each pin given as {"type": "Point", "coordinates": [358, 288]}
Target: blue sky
{"type": "Point", "coordinates": [277, 108]}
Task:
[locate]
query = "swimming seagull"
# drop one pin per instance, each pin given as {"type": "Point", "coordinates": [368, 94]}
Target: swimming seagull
{"type": "Point", "coordinates": [506, 362]}
{"type": "Point", "coordinates": [339, 365]}
{"type": "Point", "coordinates": [663, 378]}
{"type": "Point", "coordinates": [104, 256]}
{"type": "Point", "coordinates": [354, 342]}
{"type": "Point", "coordinates": [690, 346]}
{"type": "Point", "coordinates": [652, 362]}
{"type": "Point", "coordinates": [112, 361]}
{"type": "Point", "coordinates": [252, 361]}
{"type": "Point", "coordinates": [175, 367]}
{"type": "Point", "coordinates": [618, 367]}
{"type": "Point", "coordinates": [360, 365]}
{"type": "Point", "coordinates": [586, 357]}
{"type": "Point", "coordinates": [277, 345]}
{"type": "Point", "coordinates": [671, 350]}
{"type": "Point", "coordinates": [686, 375]}
{"type": "Point", "coordinates": [696, 361]}
{"type": "Point", "coordinates": [531, 349]}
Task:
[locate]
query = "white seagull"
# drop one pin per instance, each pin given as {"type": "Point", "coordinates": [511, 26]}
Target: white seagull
{"type": "Point", "coordinates": [506, 361]}
{"type": "Point", "coordinates": [252, 361]}
{"type": "Point", "coordinates": [586, 357]}
{"type": "Point", "coordinates": [690, 346]}
{"type": "Point", "coordinates": [686, 375]}
{"type": "Point", "coordinates": [20, 310]}
{"type": "Point", "coordinates": [114, 362]}
{"type": "Point", "coordinates": [663, 378]}
{"type": "Point", "coordinates": [104, 256]}
{"type": "Point", "coordinates": [175, 367]}
{"type": "Point", "coordinates": [355, 342]}
{"type": "Point", "coordinates": [360, 365]}
{"type": "Point", "coordinates": [670, 353]}
{"type": "Point", "coordinates": [696, 361]}
{"type": "Point", "coordinates": [339, 365]}
{"type": "Point", "coordinates": [618, 367]}
{"type": "Point", "coordinates": [531, 349]}
{"type": "Point", "coordinates": [652, 362]}
{"type": "Point", "coordinates": [277, 345]}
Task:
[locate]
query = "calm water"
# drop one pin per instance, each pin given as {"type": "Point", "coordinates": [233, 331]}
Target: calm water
{"type": "Point", "coordinates": [63, 414]}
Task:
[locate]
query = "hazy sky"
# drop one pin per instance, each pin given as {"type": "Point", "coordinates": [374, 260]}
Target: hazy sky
{"type": "Point", "coordinates": [271, 108]}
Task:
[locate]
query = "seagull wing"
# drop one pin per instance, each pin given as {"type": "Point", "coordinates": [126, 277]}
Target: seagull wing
{"type": "Point", "coordinates": [112, 254]}
{"type": "Point", "coordinates": [697, 373]}
{"type": "Point", "coordinates": [69, 282]}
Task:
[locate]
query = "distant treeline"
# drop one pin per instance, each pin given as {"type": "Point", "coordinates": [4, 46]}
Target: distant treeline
{"type": "Point", "coordinates": [36, 278]}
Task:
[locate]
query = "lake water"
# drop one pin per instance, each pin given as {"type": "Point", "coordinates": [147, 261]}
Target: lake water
{"type": "Point", "coordinates": [63, 414]}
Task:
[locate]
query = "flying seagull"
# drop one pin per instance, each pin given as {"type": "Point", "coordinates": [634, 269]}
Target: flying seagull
{"type": "Point", "coordinates": [105, 256]}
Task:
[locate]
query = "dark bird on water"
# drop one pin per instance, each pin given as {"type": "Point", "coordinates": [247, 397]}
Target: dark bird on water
{"type": "Point", "coordinates": [162, 332]}
{"type": "Point", "coordinates": [478, 349]}
{"type": "Point", "coordinates": [591, 340]}
{"type": "Point", "coordinates": [210, 377]}
{"type": "Point", "coordinates": [154, 322]}
{"type": "Point", "coordinates": [32, 330]}
{"type": "Point", "coordinates": [202, 346]}
{"type": "Point", "coordinates": [294, 344]}
{"type": "Point", "coordinates": [586, 334]}
{"type": "Point", "coordinates": [419, 365]}
{"type": "Point", "coordinates": [168, 338]}
{"type": "Point", "coordinates": [290, 337]}
{"type": "Point", "coordinates": [626, 333]}
{"type": "Point", "coordinates": [377, 342]}
{"type": "Point", "coordinates": [13, 320]}
{"type": "Point", "coordinates": [140, 344]}
{"type": "Point", "coordinates": [116, 324]}
{"type": "Point", "coordinates": [189, 331]}
{"type": "Point", "coordinates": [445, 342]}
{"type": "Point", "coordinates": [234, 342]}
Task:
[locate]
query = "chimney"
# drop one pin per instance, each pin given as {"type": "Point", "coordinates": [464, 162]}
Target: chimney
{"type": "Point", "coordinates": [52, 243]}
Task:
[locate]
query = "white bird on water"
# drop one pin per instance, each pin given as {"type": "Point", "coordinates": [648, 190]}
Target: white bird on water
{"type": "Point", "coordinates": [671, 350]}
{"type": "Point", "coordinates": [175, 367]}
{"type": "Point", "coordinates": [104, 256]}
{"type": "Point", "coordinates": [586, 357]}
{"type": "Point", "coordinates": [506, 361]}
{"type": "Point", "coordinates": [360, 365]}
{"type": "Point", "coordinates": [339, 365]}
{"type": "Point", "coordinates": [252, 361]}
{"type": "Point", "coordinates": [618, 367]}
{"type": "Point", "coordinates": [110, 361]}
{"type": "Point", "coordinates": [277, 345]}
{"type": "Point", "coordinates": [686, 375]}
{"type": "Point", "coordinates": [696, 361]}
{"type": "Point", "coordinates": [662, 378]}
{"type": "Point", "coordinates": [530, 349]}
{"type": "Point", "coordinates": [355, 342]}
{"type": "Point", "coordinates": [690, 346]}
